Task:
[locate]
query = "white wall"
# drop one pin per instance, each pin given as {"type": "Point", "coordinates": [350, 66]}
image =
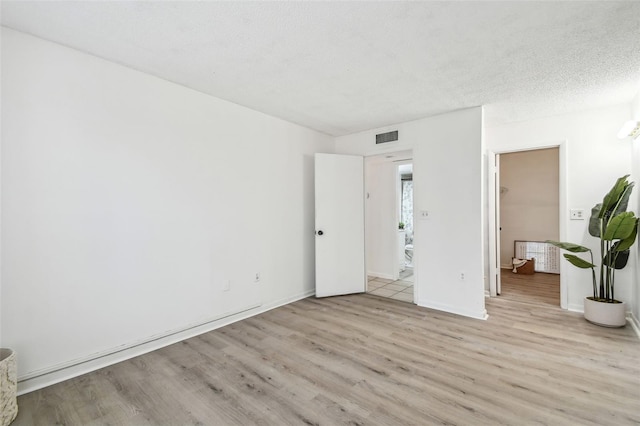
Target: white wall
{"type": "Point", "coordinates": [595, 159]}
{"type": "Point", "coordinates": [448, 180]}
{"type": "Point", "coordinates": [529, 206]}
{"type": "Point", "coordinates": [128, 202]}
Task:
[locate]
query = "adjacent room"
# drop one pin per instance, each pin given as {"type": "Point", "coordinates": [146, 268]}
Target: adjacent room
{"type": "Point", "coordinates": [238, 213]}
{"type": "Point", "coordinates": [529, 205]}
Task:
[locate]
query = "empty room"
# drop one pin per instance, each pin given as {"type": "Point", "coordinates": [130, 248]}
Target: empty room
{"type": "Point", "coordinates": [238, 213]}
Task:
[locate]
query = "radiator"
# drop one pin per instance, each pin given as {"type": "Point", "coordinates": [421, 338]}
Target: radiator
{"type": "Point", "coordinates": [546, 255]}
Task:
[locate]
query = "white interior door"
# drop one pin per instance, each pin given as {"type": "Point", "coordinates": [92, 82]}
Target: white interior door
{"type": "Point", "coordinates": [339, 197]}
{"type": "Point", "coordinates": [494, 224]}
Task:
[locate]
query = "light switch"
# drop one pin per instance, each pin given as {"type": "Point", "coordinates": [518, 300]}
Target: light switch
{"type": "Point", "coordinates": [577, 214]}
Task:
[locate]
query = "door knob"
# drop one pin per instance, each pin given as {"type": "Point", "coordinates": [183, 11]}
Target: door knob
{"type": "Point", "coordinates": [320, 232]}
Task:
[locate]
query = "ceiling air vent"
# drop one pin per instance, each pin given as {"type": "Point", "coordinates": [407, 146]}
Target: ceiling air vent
{"type": "Point", "coordinates": [387, 137]}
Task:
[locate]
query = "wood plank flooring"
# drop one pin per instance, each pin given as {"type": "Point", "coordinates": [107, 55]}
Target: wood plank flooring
{"type": "Point", "coordinates": [366, 360]}
{"type": "Point", "coordinates": [536, 288]}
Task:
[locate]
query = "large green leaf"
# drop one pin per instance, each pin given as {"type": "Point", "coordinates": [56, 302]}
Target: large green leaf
{"type": "Point", "coordinates": [613, 196]}
{"type": "Point", "coordinates": [616, 258]}
{"type": "Point", "coordinates": [578, 261]}
{"type": "Point", "coordinates": [574, 248]}
{"type": "Point", "coordinates": [623, 202]}
{"type": "Point", "coordinates": [622, 259]}
{"type": "Point", "coordinates": [619, 259]}
{"type": "Point", "coordinates": [594, 220]}
{"type": "Point", "coordinates": [626, 243]}
{"type": "Point", "coordinates": [620, 226]}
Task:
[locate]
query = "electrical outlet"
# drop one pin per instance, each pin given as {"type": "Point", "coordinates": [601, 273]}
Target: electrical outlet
{"type": "Point", "coordinates": [423, 215]}
{"type": "Point", "coordinates": [576, 214]}
{"type": "Point", "coordinates": [257, 278]}
{"type": "Point", "coordinates": [461, 276]}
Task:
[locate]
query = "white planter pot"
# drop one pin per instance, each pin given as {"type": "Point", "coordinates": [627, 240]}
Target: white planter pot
{"type": "Point", "coordinates": [605, 314]}
{"type": "Point", "coordinates": [8, 387]}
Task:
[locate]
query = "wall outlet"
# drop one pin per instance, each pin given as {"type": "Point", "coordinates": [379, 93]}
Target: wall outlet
{"type": "Point", "coordinates": [461, 277]}
{"type": "Point", "coordinates": [423, 215]}
{"type": "Point", "coordinates": [577, 214]}
{"type": "Point", "coordinates": [227, 285]}
{"type": "Point", "coordinates": [257, 277]}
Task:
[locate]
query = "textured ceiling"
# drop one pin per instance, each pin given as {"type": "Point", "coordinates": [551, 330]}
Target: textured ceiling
{"type": "Point", "coordinates": [343, 67]}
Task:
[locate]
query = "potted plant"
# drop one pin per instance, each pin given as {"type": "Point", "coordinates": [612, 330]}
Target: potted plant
{"type": "Point", "coordinates": [616, 229]}
{"type": "Point", "coordinates": [8, 386]}
{"type": "Point", "coordinates": [401, 226]}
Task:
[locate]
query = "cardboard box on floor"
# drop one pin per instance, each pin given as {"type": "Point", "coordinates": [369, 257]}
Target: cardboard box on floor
{"type": "Point", "coordinates": [528, 268]}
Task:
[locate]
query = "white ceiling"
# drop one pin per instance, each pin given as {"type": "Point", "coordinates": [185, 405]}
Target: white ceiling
{"type": "Point", "coordinates": [343, 67]}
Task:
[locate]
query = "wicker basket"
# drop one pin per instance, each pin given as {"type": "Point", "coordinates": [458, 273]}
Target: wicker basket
{"type": "Point", "coordinates": [8, 387]}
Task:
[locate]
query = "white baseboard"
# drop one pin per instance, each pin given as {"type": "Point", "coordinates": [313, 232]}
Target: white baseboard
{"type": "Point", "coordinates": [576, 307]}
{"type": "Point", "coordinates": [482, 315]}
{"type": "Point", "coordinates": [635, 324]}
{"type": "Point", "coordinates": [38, 379]}
{"type": "Point", "coordinates": [380, 275]}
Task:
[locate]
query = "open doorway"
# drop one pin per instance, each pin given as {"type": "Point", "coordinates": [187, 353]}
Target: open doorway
{"type": "Point", "coordinates": [389, 225]}
{"type": "Point", "coordinates": [529, 214]}
{"type": "Point", "coordinates": [405, 226]}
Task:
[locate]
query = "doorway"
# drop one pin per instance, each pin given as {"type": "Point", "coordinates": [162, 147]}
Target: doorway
{"type": "Point", "coordinates": [405, 224]}
{"type": "Point", "coordinates": [528, 212]}
{"type": "Point", "coordinates": [389, 225]}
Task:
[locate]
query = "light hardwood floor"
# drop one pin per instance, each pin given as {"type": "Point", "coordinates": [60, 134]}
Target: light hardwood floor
{"type": "Point", "coordinates": [366, 360]}
{"type": "Point", "coordinates": [536, 288]}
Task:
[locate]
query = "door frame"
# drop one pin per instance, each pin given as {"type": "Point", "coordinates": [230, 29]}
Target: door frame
{"type": "Point", "coordinates": [494, 227]}
{"type": "Point", "coordinates": [494, 235]}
